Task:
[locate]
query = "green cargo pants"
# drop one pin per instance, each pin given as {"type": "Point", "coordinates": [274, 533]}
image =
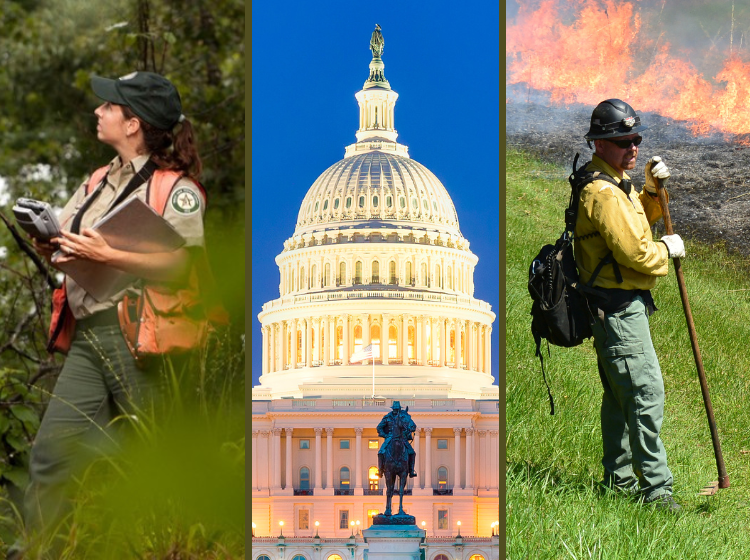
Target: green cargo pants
{"type": "Point", "coordinates": [99, 383]}
{"type": "Point", "coordinates": [632, 405]}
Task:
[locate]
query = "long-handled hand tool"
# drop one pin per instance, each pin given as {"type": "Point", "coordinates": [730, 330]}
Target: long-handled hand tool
{"type": "Point", "coordinates": [723, 481]}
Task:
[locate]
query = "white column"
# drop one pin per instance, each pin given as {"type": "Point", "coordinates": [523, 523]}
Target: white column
{"type": "Point", "coordinates": [487, 460]}
{"type": "Point", "coordinates": [481, 457]}
{"type": "Point", "coordinates": [284, 343]}
{"type": "Point", "coordinates": [358, 462]}
{"type": "Point", "coordinates": [469, 458]}
{"type": "Point", "coordinates": [318, 330]}
{"type": "Point", "coordinates": [457, 365]}
{"type": "Point", "coordinates": [264, 476]}
{"type": "Point", "coordinates": [308, 344]}
{"type": "Point", "coordinates": [494, 472]}
{"type": "Point", "coordinates": [415, 444]}
{"type": "Point", "coordinates": [384, 339]}
{"type": "Point", "coordinates": [274, 349]}
{"type": "Point", "coordinates": [318, 462]}
{"type": "Point", "coordinates": [294, 344]}
{"type": "Point", "coordinates": [288, 478]}
{"type": "Point", "coordinates": [276, 458]}
{"type": "Point", "coordinates": [345, 357]}
{"type": "Point", "coordinates": [468, 345]}
{"type": "Point", "coordinates": [443, 342]}
{"type": "Point", "coordinates": [365, 334]}
{"type": "Point", "coordinates": [330, 340]}
{"type": "Point", "coordinates": [457, 458]}
{"type": "Point", "coordinates": [405, 339]}
{"type": "Point", "coordinates": [489, 350]}
{"type": "Point", "coordinates": [428, 458]}
{"type": "Point", "coordinates": [423, 344]}
{"type": "Point", "coordinates": [264, 352]}
{"type": "Point", "coordinates": [329, 458]}
{"type": "Point", "coordinates": [254, 452]}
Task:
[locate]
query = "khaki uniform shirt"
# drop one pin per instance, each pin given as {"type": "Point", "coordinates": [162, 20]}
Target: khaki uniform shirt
{"type": "Point", "coordinates": [184, 211]}
{"type": "Point", "coordinates": [623, 224]}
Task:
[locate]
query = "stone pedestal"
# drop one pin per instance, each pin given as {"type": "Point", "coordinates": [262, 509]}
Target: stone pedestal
{"type": "Point", "coordinates": [393, 542]}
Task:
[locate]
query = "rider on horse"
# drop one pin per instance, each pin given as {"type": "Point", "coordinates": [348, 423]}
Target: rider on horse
{"type": "Point", "coordinates": [402, 420]}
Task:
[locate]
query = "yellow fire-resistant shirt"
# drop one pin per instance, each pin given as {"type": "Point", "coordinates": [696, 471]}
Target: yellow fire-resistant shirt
{"type": "Point", "coordinates": [623, 224]}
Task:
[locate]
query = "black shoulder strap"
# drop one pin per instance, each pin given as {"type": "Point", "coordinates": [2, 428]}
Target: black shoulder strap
{"type": "Point", "coordinates": [143, 176]}
{"type": "Point", "coordinates": [579, 179]}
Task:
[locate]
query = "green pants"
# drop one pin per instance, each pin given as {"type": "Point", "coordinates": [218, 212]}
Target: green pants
{"type": "Point", "coordinates": [632, 405]}
{"type": "Point", "coordinates": [99, 382]}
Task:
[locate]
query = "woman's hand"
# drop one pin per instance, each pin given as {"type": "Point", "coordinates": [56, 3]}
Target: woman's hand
{"type": "Point", "coordinates": [88, 245]}
{"type": "Point", "coordinates": [44, 249]}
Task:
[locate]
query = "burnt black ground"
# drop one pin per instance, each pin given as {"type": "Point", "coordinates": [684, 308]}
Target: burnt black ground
{"type": "Point", "coordinates": [710, 185]}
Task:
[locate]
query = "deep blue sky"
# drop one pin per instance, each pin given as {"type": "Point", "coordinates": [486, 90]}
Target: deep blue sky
{"type": "Point", "coordinates": [308, 61]}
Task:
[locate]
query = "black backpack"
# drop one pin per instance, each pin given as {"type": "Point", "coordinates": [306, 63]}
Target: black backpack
{"type": "Point", "coordinates": [560, 312]}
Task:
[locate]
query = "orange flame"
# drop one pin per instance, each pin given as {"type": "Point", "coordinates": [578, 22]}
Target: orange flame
{"type": "Point", "coordinates": [603, 52]}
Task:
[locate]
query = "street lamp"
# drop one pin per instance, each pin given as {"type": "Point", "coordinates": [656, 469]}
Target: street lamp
{"type": "Point", "coordinates": [492, 526]}
{"type": "Point", "coordinates": [317, 523]}
{"type": "Point", "coordinates": [459, 528]}
{"type": "Point", "coordinates": [358, 526]}
{"type": "Point", "coordinates": [423, 525]}
{"type": "Point", "coordinates": [351, 524]}
{"type": "Point", "coordinates": [281, 529]}
{"type": "Point", "coordinates": [497, 528]}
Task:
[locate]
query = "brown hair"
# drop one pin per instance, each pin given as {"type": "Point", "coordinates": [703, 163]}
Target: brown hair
{"type": "Point", "coordinates": [171, 149]}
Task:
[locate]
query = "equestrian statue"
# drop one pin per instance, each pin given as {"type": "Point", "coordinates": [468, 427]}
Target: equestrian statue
{"type": "Point", "coordinates": [396, 456]}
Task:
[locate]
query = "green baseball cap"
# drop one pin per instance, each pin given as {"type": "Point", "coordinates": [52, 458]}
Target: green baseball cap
{"type": "Point", "coordinates": [150, 96]}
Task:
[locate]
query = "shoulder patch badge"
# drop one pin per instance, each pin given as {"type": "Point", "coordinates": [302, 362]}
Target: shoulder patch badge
{"type": "Point", "coordinates": [185, 201]}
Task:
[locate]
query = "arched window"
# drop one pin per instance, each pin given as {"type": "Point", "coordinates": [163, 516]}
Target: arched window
{"type": "Point", "coordinates": [374, 201]}
{"type": "Point", "coordinates": [342, 273]}
{"type": "Point", "coordinates": [423, 274]}
{"type": "Point", "coordinates": [313, 274]}
{"type": "Point", "coordinates": [389, 201]}
{"type": "Point", "coordinates": [348, 202]}
{"type": "Point", "coordinates": [304, 478]}
{"type": "Point", "coordinates": [299, 557]}
{"type": "Point", "coordinates": [361, 201]}
{"type": "Point", "coordinates": [302, 284]}
{"type": "Point", "coordinates": [438, 277]}
{"type": "Point", "coordinates": [375, 339]}
{"type": "Point", "coordinates": [334, 557]}
{"type": "Point", "coordinates": [358, 272]}
{"type": "Point", "coordinates": [336, 204]}
{"type": "Point", "coordinates": [317, 203]}
{"type": "Point", "coordinates": [344, 478]}
{"type": "Point", "coordinates": [414, 204]}
{"type": "Point", "coordinates": [262, 557]}
{"type": "Point", "coordinates": [409, 278]}
{"type": "Point", "coordinates": [357, 338]}
{"type": "Point", "coordinates": [392, 272]}
{"type": "Point", "coordinates": [402, 202]}
{"type": "Point", "coordinates": [325, 205]}
{"type": "Point", "coordinates": [327, 276]}
{"type": "Point", "coordinates": [373, 478]}
{"type": "Point", "coordinates": [476, 557]}
{"type": "Point", "coordinates": [392, 343]}
{"type": "Point", "coordinates": [339, 343]}
{"type": "Point", "coordinates": [375, 272]}
{"type": "Point", "coordinates": [442, 478]}
{"type": "Point", "coordinates": [441, 557]}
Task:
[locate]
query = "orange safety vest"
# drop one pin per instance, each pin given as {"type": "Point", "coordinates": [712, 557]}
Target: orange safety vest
{"type": "Point", "coordinates": [165, 321]}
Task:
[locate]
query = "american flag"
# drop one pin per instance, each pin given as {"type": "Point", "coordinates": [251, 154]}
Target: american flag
{"type": "Point", "coordinates": [367, 353]}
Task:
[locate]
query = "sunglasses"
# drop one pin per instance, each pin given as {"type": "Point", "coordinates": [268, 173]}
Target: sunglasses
{"type": "Point", "coordinates": [625, 144]}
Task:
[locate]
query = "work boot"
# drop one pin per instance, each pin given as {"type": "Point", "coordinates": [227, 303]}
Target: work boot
{"type": "Point", "coordinates": [667, 503]}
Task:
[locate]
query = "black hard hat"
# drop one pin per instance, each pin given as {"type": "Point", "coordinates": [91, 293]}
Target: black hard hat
{"type": "Point", "coordinates": [613, 118]}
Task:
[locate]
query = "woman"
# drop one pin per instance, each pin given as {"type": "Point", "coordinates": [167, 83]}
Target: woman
{"type": "Point", "coordinates": [141, 118]}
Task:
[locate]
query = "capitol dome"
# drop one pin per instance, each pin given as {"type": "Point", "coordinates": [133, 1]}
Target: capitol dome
{"type": "Point", "coordinates": [377, 185]}
{"type": "Point", "coordinates": [376, 284]}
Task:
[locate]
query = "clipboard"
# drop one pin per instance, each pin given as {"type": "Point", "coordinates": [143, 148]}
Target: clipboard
{"type": "Point", "coordinates": [133, 226]}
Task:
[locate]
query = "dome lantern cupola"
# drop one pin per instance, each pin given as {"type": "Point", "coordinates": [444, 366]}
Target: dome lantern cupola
{"type": "Point", "coordinates": [376, 99]}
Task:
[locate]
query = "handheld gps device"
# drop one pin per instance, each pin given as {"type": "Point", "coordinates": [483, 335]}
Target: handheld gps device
{"type": "Point", "coordinates": [36, 218]}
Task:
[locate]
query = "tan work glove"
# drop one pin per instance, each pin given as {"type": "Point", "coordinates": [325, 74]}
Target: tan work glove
{"type": "Point", "coordinates": [655, 168]}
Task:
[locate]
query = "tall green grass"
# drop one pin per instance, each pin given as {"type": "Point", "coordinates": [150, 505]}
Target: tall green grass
{"type": "Point", "coordinates": [555, 507]}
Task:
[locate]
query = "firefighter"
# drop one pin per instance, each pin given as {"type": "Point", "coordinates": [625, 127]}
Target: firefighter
{"type": "Point", "coordinates": [618, 219]}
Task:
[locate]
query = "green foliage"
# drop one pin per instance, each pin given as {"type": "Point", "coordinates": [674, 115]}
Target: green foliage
{"type": "Point", "coordinates": [555, 507]}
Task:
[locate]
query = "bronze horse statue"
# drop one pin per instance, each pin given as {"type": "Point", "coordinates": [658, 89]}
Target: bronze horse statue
{"type": "Point", "coordinates": [396, 464]}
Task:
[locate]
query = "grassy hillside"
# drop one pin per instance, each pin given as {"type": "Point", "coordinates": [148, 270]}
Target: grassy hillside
{"type": "Point", "coordinates": [554, 505]}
